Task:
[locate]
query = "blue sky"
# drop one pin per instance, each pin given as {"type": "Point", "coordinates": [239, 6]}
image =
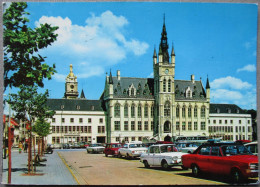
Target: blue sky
{"type": "Point", "coordinates": [217, 40]}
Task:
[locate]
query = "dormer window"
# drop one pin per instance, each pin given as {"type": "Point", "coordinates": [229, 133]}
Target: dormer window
{"type": "Point", "coordinates": [237, 111]}
{"type": "Point", "coordinates": [188, 93]}
{"type": "Point", "coordinates": [92, 107]}
{"type": "Point", "coordinates": [78, 107]}
{"type": "Point", "coordinates": [132, 91]}
{"type": "Point", "coordinates": [62, 107]}
{"type": "Point", "coordinates": [229, 110]}
{"type": "Point", "coordinates": [218, 110]}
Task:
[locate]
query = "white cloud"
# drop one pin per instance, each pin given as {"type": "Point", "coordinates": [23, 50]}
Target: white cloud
{"type": "Point", "coordinates": [249, 68]}
{"type": "Point", "coordinates": [232, 90]}
{"type": "Point", "coordinates": [151, 75]}
{"type": "Point", "coordinates": [100, 43]}
{"type": "Point", "coordinates": [230, 83]}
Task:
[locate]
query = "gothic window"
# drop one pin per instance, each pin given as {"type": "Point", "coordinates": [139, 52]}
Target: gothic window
{"type": "Point", "coordinates": [164, 85]}
{"type": "Point", "coordinates": [189, 111]}
{"type": "Point", "coordinates": [117, 110]}
{"type": "Point", "coordinates": [202, 114]}
{"type": "Point", "coordinates": [177, 111]}
{"type": "Point", "coordinates": [167, 109]}
{"type": "Point", "coordinates": [132, 90]}
{"type": "Point", "coordinates": [167, 127]}
{"type": "Point", "coordinates": [169, 85]}
{"type": "Point", "coordinates": [146, 111]}
{"type": "Point", "coordinates": [126, 110]}
{"type": "Point", "coordinates": [196, 111]}
{"type": "Point", "coordinates": [152, 111]}
{"type": "Point", "coordinates": [139, 111]}
{"type": "Point", "coordinates": [132, 110]}
{"type": "Point", "coordinates": [183, 112]}
{"type": "Point", "coordinates": [188, 93]}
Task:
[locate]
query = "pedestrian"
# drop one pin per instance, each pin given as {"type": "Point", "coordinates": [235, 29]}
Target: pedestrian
{"type": "Point", "coordinates": [20, 147]}
{"type": "Point", "coordinates": [25, 147]}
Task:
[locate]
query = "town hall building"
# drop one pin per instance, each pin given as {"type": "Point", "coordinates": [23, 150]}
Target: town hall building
{"type": "Point", "coordinates": [141, 109]}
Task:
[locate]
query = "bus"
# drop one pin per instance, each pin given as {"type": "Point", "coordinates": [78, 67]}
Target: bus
{"type": "Point", "coordinates": [200, 139]}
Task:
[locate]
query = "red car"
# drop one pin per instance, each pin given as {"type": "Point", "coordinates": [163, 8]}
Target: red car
{"type": "Point", "coordinates": [112, 149]}
{"type": "Point", "coordinates": [223, 158]}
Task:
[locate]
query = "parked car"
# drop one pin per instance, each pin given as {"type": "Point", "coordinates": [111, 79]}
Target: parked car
{"type": "Point", "coordinates": [75, 145]}
{"type": "Point", "coordinates": [164, 155]}
{"type": "Point", "coordinates": [252, 147]}
{"type": "Point", "coordinates": [95, 148]}
{"type": "Point", "coordinates": [56, 146]}
{"type": "Point", "coordinates": [112, 149]}
{"type": "Point", "coordinates": [187, 147]}
{"type": "Point", "coordinates": [223, 158]}
{"type": "Point", "coordinates": [132, 149]}
{"type": "Point", "coordinates": [65, 146]}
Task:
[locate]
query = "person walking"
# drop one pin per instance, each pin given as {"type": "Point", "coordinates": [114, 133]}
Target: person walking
{"type": "Point", "coordinates": [20, 147]}
{"type": "Point", "coordinates": [25, 147]}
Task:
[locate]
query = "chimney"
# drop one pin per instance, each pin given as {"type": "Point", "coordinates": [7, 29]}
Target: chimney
{"type": "Point", "coordinates": [118, 75]}
{"type": "Point", "coordinates": [192, 78]}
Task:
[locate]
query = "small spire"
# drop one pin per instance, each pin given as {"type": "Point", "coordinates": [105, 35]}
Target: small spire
{"type": "Point", "coordinates": [207, 84]}
{"type": "Point", "coordinates": [154, 53]}
{"type": "Point", "coordinates": [110, 78]}
{"type": "Point", "coordinates": [173, 53]}
{"type": "Point", "coordinates": [82, 95]}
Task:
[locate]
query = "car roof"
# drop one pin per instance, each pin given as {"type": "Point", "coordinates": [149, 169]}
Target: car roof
{"type": "Point", "coordinates": [161, 145]}
{"type": "Point", "coordinates": [220, 144]}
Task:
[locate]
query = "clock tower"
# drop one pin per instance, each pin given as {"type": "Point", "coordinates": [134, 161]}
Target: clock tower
{"type": "Point", "coordinates": [71, 85]}
{"type": "Point", "coordinates": [164, 73]}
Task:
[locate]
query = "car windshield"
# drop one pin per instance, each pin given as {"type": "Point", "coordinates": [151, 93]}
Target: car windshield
{"type": "Point", "coordinates": [136, 145]}
{"type": "Point", "coordinates": [116, 145]}
{"type": "Point", "coordinates": [95, 145]}
{"type": "Point", "coordinates": [167, 148]}
{"type": "Point", "coordinates": [229, 150]}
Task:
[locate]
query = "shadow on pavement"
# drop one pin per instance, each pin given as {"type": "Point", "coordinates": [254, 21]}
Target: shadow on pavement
{"type": "Point", "coordinates": [17, 169]}
{"type": "Point", "coordinates": [218, 178]}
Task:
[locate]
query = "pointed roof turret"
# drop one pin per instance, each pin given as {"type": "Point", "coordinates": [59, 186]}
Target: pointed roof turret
{"type": "Point", "coordinates": [164, 44]}
{"type": "Point", "coordinates": [154, 53]}
{"type": "Point", "coordinates": [82, 95]}
{"type": "Point", "coordinates": [173, 53]}
{"type": "Point", "coordinates": [110, 78]}
{"type": "Point", "coordinates": [207, 84]}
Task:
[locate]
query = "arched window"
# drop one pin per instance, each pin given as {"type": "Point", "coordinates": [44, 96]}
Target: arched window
{"type": "Point", "coordinates": [169, 85]}
{"type": "Point", "coordinates": [117, 110]}
{"type": "Point", "coordinates": [126, 110]}
{"type": "Point", "coordinates": [202, 113]}
{"type": "Point", "coordinates": [177, 111]}
{"type": "Point", "coordinates": [152, 110]}
{"type": "Point", "coordinates": [196, 111]}
{"type": "Point", "coordinates": [139, 111]}
{"type": "Point", "coordinates": [167, 127]}
{"type": "Point", "coordinates": [183, 112]}
{"type": "Point", "coordinates": [132, 110]}
{"type": "Point", "coordinates": [189, 111]}
{"type": "Point", "coordinates": [132, 91]}
{"type": "Point", "coordinates": [167, 109]}
{"type": "Point", "coordinates": [164, 85]}
{"type": "Point", "coordinates": [146, 111]}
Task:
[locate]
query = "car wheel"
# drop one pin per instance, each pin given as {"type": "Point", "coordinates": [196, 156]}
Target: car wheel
{"type": "Point", "coordinates": [184, 168]}
{"type": "Point", "coordinates": [146, 165]}
{"type": "Point", "coordinates": [195, 170]}
{"type": "Point", "coordinates": [165, 165]}
{"type": "Point", "coordinates": [106, 155]}
{"type": "Point", "coordinates": [128, 156]}
{"type": "Point", "coordinates": [87, 151]}
{"type": "Point", "coordinates": [236, 176]}
{"type": "Point", "coordinates": [119, 155]}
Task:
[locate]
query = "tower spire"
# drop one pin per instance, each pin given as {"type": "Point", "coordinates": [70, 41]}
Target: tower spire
{"type": "Point", "coordinates": [110, 78]}
{"type": "Point", "coordinates": [207, 84]}
{"type": "Point", "coordinates": [164, 44]}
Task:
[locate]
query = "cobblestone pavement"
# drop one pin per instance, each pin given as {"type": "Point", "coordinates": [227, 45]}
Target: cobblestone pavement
{"type": "Point", "coordinates": [54, 173]}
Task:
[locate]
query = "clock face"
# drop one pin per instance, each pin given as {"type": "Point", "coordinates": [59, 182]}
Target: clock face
{"type": "Point", "coordinates": [71, 86]}
{"type": "Point", "coordinates": [166, 71]}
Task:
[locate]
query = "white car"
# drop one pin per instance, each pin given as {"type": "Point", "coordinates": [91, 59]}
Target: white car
{"type": "Point", "coordinates": [187, 147]}
{"type": "Point", "coordinates": [132, 149]}
{"type": "Point", "coordinates": [95, 148]}
{"type": "Point", "coordinates": [252, 147]}
{"type": "Point", "coordinates": [164, 155]}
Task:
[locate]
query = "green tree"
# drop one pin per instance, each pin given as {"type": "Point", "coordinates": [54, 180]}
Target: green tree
{"type": "Point", "coordinates": [41, 127]}
{"type": "Point", "coordinates": [29, 104]}
{"type": "Point", "coordinates": [22, 63]}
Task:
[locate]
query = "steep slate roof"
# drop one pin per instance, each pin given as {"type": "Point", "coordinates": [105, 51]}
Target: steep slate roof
{"type": "Point", "coordinates": [71, 104]}
{"type": "Point", "coordinates": [198, 92]}
{"type": "Point", "coordinates": [223, 108]}
{"type": "Point", "coordinates": [143, 86]}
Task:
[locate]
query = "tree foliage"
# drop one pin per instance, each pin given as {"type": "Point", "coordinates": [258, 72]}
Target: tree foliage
{"type": "Point", "coordinates": [22, 63]}
{"type": "Point", "coordinates": [28, 103]}
{"type": "Point", "coordinates": [41, 127]}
